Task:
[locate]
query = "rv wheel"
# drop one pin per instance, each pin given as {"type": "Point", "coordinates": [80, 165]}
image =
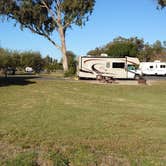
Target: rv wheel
{"type": "Point", "coordinates": [137, 77]}
{"type": "Point", "coordinates": [99, 77]}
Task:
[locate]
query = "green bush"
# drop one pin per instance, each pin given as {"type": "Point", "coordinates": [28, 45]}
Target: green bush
{"type": "Point", "coordinates": [72, 63]}
{"type": "Point", "coordinates": [70, 72]}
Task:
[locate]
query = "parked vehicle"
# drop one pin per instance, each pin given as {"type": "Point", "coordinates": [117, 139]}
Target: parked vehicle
{"type": "Point", "coordinates": [10, 71]}
{"type": "Point", "coordinates": [29, 69]}
{"type": "Point", "coordinates": [153, 68]}
{"type": "Point", "coordinates": [95, 67]}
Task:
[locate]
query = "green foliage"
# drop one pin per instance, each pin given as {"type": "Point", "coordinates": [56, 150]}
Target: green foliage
{"type": "Point", "coordinates": [21, 60]}
{"type": "Point", "coordinates": [6, 61]}
{"type": "Point", "coordinates": [133, 47]}
{"type": "Point", "coordinates": [23, 159]}
{"type": "Point", "coordinates": [34, 15]}
{"type": "Point", "coordinates": [51, 65]}
{"type": "Point", "coordinates": [96, 52]}
{"type": "Point", "coordinates": [16, 59]}
{"type": "Point", "coordinates": [146, 54]}
{"type": "Point", "coordinates": [152, 52]}
{"type": "Point", "coordinates": [122, 49]}
{"type": "Point", "coordinates": [32, 59]}
{"type": "Point", "coordinates": [157, 46]}
{"type": "Point", "coordinates": [72, 64]}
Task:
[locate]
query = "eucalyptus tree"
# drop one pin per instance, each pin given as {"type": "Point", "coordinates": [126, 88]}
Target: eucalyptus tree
{"type": "Point", "coordinates": [44, 17]}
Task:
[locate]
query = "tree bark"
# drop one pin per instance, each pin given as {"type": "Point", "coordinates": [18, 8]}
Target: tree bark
{"type": "Point", "coordinates": [63, 49]}
{"type": "Point", "coordinates": [61, 30]}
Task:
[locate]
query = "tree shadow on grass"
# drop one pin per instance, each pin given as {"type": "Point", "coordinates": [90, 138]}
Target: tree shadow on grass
{"type": "Point", "coordinates": [21, 80]}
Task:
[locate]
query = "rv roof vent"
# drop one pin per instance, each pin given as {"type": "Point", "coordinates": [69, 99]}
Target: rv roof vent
{"type": "Point", "coordinates": [104, 55]}
{"type": "Point", "coordinates": [157, 61]}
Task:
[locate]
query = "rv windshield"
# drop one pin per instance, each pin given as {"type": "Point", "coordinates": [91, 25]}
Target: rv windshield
{"type": "Point", "coordinates": [131, 67]}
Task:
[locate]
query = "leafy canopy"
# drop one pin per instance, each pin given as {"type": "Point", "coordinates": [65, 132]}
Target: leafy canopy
{"type": "Point", "coordinates": [34, 13]}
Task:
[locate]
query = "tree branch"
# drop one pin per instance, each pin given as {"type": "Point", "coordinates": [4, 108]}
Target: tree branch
{"type": "Point", "coordinates": [43, 34]}
{"type": "Point", "coordinates": [67, 25]}
{"type": "Point", "coordinates": [37, 31]}
{"type": "Point", "coordinates": [51, 12]}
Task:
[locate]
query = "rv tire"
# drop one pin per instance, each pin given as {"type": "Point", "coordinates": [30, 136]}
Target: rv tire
{"type": "Point", "coordinates": [137, 77]}
{"type": "Point", "coordinates": [99, 77]}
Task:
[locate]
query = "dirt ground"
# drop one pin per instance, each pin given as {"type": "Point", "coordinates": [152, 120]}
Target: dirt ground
{"type": "Point", "coordinates": [125, 82]}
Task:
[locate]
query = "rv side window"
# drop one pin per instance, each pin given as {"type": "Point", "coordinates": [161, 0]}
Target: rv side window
{"type": "Point", "coordinates": [151, 67]}
{"type": "Point", "coordinates": [118, 65]}
{"type": "Point", "coordinates": [162, 66]}
{"type": "Point", "coordinates": [108, 65]}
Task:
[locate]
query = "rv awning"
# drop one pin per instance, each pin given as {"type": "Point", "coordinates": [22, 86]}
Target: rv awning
{"type": "Point", "coordinates": [132, 60]}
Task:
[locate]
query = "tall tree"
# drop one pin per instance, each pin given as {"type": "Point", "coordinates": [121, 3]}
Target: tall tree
{"type": "Point", "coordinates": [44, 17]}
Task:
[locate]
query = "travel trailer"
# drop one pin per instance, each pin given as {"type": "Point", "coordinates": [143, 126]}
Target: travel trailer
{"type": "Point", "coordinates": [29, 69]}
{"type": "Point", "coordinates": [106, 67]}
{"type": "Point", "coordinates": [153, 68]}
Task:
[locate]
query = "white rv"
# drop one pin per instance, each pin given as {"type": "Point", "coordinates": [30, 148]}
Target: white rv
{"type": "Point", "coordinates": [153, 68]}
{"type": "Point", "coordinates": [92, 67]}
{"type": "Point", "coordinates": [29, 69]}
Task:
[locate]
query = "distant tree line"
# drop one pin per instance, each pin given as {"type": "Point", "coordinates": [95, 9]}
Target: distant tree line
{"type": "Point", "coordinates": [15, 60]}
{"type": "Point", "coordinates": [133, 47]}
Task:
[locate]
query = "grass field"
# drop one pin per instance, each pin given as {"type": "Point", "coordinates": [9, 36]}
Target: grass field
{"type": "Point", "coordinates": [49, 122]}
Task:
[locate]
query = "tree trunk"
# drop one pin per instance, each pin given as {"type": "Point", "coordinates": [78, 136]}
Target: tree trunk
{"type": "Point", "coordinates": [5, 72]}
{"type": "Point", "coordinates": [63, 49]}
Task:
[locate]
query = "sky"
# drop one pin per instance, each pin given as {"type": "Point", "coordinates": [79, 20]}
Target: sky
{"type": "Point", "coordinates": [110, 19]}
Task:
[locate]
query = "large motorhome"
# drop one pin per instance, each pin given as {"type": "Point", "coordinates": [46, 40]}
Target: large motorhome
{"type": "Point", "coordinates": [94, 67]}
{"type": "Point", "coordinates": [153, 68]}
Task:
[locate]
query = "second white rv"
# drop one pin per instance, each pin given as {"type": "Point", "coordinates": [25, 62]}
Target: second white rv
{"type": "Point", "coordinates": [92, 67]}
{"type": "Point", "coordinates": [153, 68]}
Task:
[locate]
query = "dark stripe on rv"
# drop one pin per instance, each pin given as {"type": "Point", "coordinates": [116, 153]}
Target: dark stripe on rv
{"type": "Point", "coordinates": [95, 70]}
{"type": "Point", "coordinates": [91, 60]}
{"type": "Point", "coordinates": [86, 71]}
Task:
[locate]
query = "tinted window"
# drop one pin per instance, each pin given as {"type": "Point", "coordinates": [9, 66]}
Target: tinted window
{"type": "Point", "coordinates": [118, 65]}
{"type": "Point", "coordinates": [162, 66]}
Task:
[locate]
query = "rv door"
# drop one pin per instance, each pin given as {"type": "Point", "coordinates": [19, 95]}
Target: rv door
{"type": "Point", "coordinates": [132, 64]}
{"type": "Point", "coordinates": [131, 71]}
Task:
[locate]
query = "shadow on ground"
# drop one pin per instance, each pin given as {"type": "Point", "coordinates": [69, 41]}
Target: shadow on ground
{"type": "Point", "coordinates": [17, 80]}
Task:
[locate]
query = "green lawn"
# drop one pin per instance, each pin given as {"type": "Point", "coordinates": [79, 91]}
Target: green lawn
{"type": "Point", "coordinates": [86, 124]}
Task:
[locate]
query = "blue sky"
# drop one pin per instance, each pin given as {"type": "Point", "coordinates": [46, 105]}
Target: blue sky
{"type": "Point", "coordinates": [110, 19]}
